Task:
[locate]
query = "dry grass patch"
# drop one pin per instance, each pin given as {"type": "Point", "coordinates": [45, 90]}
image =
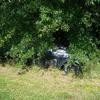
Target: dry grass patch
{"type": "Point", "coordinates": [41, 84]}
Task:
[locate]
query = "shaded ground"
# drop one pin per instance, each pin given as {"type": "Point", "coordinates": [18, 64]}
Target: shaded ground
{"type": "Point", "coordinates": [51, 84]}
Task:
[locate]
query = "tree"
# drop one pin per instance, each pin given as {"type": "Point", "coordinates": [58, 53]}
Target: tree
{"type": "Point", "coordinates": [27, 26]}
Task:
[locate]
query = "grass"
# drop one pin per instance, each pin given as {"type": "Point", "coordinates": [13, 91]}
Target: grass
{"type": "Point", "coordinates": [51, 84]}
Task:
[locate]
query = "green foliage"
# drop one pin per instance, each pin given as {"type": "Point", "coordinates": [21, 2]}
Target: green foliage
{"type": "Point", "coordinates": [27, 26]}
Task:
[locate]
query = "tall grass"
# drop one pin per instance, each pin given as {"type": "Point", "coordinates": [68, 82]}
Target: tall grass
{"type": "Point", "coordinates": [51, 84]}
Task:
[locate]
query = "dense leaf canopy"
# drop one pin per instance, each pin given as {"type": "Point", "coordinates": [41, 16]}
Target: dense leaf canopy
{"type": "Point", "coordinates": [27, 27]}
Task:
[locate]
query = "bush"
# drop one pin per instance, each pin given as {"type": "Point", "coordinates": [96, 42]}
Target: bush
{"type": "Point", "coordinates": [27, 27]}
